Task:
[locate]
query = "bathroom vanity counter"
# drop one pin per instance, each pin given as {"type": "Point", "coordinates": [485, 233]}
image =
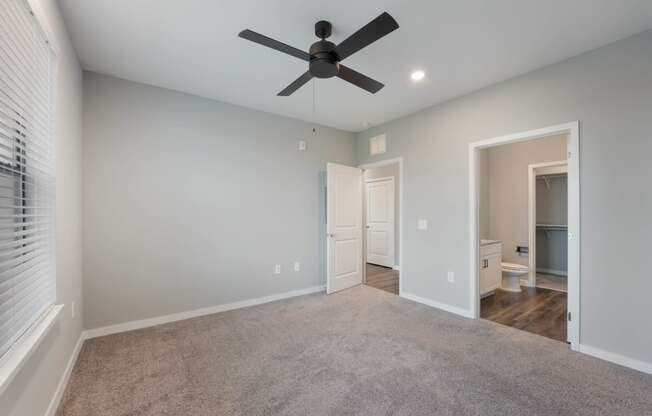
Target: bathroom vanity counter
{"type": "Point", "coordinates": [490, 266]}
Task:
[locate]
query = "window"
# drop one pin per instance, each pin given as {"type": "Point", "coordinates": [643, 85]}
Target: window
{"type": "Point", "coordinates": [27, 180]}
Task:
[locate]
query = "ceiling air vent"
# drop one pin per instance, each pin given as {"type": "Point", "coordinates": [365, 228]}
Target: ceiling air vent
{"type": "Point", "coordinates": [377, 145]}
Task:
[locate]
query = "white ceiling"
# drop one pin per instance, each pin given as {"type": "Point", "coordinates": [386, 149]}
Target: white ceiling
{"type": "Point", "coordinates": [462, 45]}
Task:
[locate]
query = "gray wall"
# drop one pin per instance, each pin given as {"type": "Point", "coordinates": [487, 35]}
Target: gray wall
{"type": "Point", "coordinates": [30, 392]}
{"type": "Point", "coordinates": [394, 171]}
{"type": "Point", "coordinates": [189, 203]}
{"type": "Point", "coordinates": [552, 199]}
{"type": "Point", "coordinates": [507, 177]}
{"type": "Point", "coordinates": [609, 91]}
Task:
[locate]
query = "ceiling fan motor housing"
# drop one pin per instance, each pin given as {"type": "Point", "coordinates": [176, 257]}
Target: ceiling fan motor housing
{"type": "Point", "coordinates": [323, 62]}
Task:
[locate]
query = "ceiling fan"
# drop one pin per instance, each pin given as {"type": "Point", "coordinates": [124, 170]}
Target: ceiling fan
{"type": "Point", "coordinates": [324, 57]}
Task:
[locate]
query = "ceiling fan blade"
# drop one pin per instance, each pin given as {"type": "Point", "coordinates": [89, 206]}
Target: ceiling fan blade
{"type": "Point", "coordinates": [359, 80]}
{"type": "Point", "coordinates": [274, 44]}
{"type": "Point", "coordinates": [296, 84]}
{"type": "Point", "coordinates": [368, 34]}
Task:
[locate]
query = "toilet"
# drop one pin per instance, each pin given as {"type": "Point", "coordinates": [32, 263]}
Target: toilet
{"type": "Point", "coordinates": [512, 274]}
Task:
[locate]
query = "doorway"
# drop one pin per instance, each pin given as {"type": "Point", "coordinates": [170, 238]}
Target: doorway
{"type": "Point", "coordinates": [560, 309]}
{"type": "Point", "coordinates": [548, 225]}
{"type": "Point", "coordinates": [383, 208]}
{"type": "Point", "coordinates": [364, 208]}
{"type": "Point", "coordinates": [382, 229]}
{"type": "Point", "coordinates": [523, 201]}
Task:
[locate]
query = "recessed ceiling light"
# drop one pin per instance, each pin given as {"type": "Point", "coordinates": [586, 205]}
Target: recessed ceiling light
{"type": "Point", "coordinates": [417, 75]}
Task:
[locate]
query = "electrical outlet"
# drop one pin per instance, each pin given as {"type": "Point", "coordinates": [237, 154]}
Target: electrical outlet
{"type": "Point", "coordinates": [422, 224]}
{"type": "Point", "coordinates": [277, 269]}
{"type": "Point", "coordinates": [72, 309]}
{"type": "Point", "coordinates": [297, 266]}
{"type": "Point", "coordinates": [451, 277]}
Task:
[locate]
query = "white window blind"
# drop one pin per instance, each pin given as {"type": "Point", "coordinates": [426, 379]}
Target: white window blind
{"type": "Point", "coordinates": [27, 182]}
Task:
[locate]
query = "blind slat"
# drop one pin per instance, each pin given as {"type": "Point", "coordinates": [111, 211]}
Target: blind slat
{"type": "Point", "coordinates": [22, 46]}
{"type": "Point", "coordinates": [27, 181]}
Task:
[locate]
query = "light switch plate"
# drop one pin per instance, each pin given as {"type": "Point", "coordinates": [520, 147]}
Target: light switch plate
{"type": "Point", "coordinates": [451, 277]}
{"type": "Point", "coordinates": [302, 145]}
{"type": "Point", "coordinates": [422, 224]}
{"type": "Point", "coordinates": [297, 266]}
{"type": "Point", "coordinates": [277, 269]}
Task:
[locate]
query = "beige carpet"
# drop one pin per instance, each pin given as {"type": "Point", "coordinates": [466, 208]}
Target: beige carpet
{"type": "Point", "coordinates": [360, 352]}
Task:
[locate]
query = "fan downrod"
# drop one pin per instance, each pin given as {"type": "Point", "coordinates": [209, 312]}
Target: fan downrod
{"type": "Point", "coordinates": [323, 63]}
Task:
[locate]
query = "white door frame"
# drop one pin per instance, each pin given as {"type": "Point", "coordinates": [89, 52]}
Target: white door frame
{"type": "Point", "coordinates": [401, 181]}
{"type": "Point", "coordinates": [534, 170]}
{"type": "Point", "coordinates": [365, 211]}
{"type": "Point", "coordinates": [572, 130]}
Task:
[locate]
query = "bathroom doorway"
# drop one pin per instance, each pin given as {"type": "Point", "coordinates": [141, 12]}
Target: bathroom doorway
{"type": "Point", "coordinates": [510, 285]}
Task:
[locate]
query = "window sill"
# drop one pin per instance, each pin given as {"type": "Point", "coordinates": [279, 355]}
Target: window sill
{"type": "Point", "coordinates": [20, 353]}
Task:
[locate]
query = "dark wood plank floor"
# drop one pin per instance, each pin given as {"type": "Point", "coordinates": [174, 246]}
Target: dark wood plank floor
{"type": "Point", "coordinates": [536, 310]}
{"type": "Point", "coordinates": [384, 278]}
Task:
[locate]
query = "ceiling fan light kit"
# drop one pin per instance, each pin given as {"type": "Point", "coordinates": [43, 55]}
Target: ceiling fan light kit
{"type": "Point", "coordinates": [324, 57]}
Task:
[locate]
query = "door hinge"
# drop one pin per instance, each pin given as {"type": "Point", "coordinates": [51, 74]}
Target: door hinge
{"type": "Point", "coordinates": [569, 317]}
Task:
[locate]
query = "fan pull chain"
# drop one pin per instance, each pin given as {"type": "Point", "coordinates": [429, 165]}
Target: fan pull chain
{"type": "Point", "coordinates": [314, 106]}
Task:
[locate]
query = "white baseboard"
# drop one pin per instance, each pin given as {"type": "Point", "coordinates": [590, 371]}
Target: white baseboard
{"type": "Point", "coordinates": [61, 387]}
{"type": "Point", "coordinates": [552, 271]}
{"type": "Point", "coordinates": [616, 358]}
{"type": "Point", "coordinates": [128, 326]}
{"type": "Point", "coordinates": [443, 306]}
{"type": "Point", "coordinates": [396, 267]}
{"type": "Point", "coordinates": [525, 282]}
{"type": "Point", "coordinates": [638, 365]}
{"type": "Point", "coordinates": [145, 323]}
{"type": "Point", "coordinates": [632, 363]}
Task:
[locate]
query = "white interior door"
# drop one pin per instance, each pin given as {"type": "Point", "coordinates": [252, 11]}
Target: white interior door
{"type": "Point", "coordinates": [380, 221]}
{"type": "Point", "coordinates": [344, 227]}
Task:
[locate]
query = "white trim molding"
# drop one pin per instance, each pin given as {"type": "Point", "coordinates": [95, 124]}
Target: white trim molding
{"type": "Point", "coordinates": [552, 271]}
{"type": "Point", "coordinates": [61, 387]}
{"type": "Point", "coordinates": [159, 320]}
{"type": "Point", "coordinates": [632, 363]}
{"type": "Point", "coordinates": [18, 355]}
{"type": "Point", "coordinates": [145, 323]}
{"type": "Point", "coordinates": [572, 130]}
{"type": "Point", "coordinates": [438, 305]}
{"type": "Point", "coordinates": [401, 198]}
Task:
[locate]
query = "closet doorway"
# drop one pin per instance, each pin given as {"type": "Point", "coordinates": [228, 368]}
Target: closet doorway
{"type": "Point", "coordinates": [548, 225]}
